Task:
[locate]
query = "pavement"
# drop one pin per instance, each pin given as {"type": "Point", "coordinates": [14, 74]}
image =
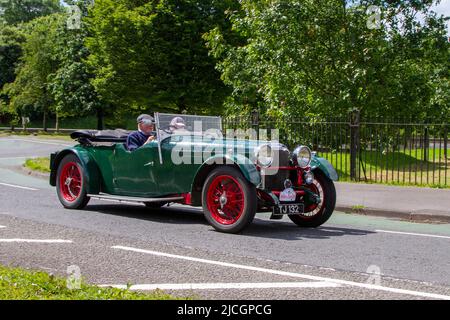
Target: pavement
{"type": "Point", "coordinates": [174, 248]}
{"type": "Point", "coordinates": [407, 203]}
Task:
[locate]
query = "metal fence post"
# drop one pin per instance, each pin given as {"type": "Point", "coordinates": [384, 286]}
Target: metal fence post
{"type": "Point", "coordinates": [354, 143]}
{"type": "Point", "coordinates": [255, 122]}
{"type": "Point", "coordinates": [446, 142]}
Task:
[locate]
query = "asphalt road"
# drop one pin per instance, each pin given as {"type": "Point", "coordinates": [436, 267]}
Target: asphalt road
{"type": "Point", "coordinates": [351, 257]}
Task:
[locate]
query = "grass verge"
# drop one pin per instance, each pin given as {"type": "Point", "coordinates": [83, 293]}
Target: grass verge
{"type": "Point", "coordinates": [20, 284]}
{"type": "Point", "coordinates": [406, 168]}
{"type": "Point", "coordinates": [38, 164]}
{"type": "Point", "coordinates": [39, 135]}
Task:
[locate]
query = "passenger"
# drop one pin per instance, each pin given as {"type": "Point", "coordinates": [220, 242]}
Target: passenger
{"type": "Point", "coordinates": [177, 124]}
{"type": "Point", "coordinates": [146, 133]}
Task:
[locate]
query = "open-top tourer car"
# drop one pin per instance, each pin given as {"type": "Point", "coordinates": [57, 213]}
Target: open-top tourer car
{"type": "Point", "coordinates": [231, 178]}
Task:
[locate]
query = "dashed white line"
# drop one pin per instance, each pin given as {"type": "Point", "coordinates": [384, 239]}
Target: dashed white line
{"type": "Point", "coordinates": [18, 187]}
{"type": "Point", "coordinates": [14, 158]}
{"type": "Point", "coordinates": [289, 274]}
{"type": "Point", "coordinates": [34, 241]}
{"type": "Point", "coordinates": [2, 227]}
{"type": "Point", "coordinates": [41, 142]}
{"type": "Point", "coordinates": [413, 234]}
{"type": "Point", "coordinates": [221, 286]}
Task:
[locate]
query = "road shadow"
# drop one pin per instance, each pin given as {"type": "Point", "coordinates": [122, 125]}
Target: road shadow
{"type": "Point", "coordinates": [268, 229]}
{"type": "Point", "coordinates": [170, 215]}
{"type": "Point", "coordinates": [285, 230]}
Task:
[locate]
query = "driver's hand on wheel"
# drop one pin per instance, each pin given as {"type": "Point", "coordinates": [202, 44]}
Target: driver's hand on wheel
{"type": "Point", "coordinates": [150, 139]}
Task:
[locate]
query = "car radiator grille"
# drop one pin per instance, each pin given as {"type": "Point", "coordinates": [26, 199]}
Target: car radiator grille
{"type": "Point", "coordinates": [273, 180]}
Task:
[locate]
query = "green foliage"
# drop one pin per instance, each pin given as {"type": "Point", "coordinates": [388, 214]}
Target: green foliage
{"type": "Point", "coordinates": [12, 36]}
{"type": "Point", "coordinates": [18, 284]}
{"type": "Point", "coordinates": [11, 40]}
{"type": "Point", "coordinates": [318, 57]}
{"type": "Point", "coordinates": [17, 11]}
{"type": "Point", "coordinates": [39, 61]}
{"type": "Point", "coordinates": [150, 55]}
{"type": "Point", "coordinates": [70, 85]}
{"type": "Point", "coordinates": [52, 76]}
{"type": "Point", "coordinates": [288, 59]}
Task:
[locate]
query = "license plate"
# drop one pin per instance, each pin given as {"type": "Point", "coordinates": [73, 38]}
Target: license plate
{"type": "Point", "coordinates": [289, 209]}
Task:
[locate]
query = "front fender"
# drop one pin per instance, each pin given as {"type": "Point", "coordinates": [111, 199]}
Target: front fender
{"type": "Point", "coordinates": [325, 166]}
{"type": "Point", "coordinates": [247, 168]}
{"type": "Point", "coordinates": [90, 168]}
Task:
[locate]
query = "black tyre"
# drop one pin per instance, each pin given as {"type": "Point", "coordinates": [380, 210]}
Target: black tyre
{"type": "Point", "coordinates": [317, 215]}
{"type": "Point", "coordinates": [229, 200]}
{"type": "Point", "coordinates": [71, 183]}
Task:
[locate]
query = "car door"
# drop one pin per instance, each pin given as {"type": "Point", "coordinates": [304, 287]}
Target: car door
{"type": "Point", "coordinates": [175, 177]}
{"type": "Point", "coordinates": [134, 172]}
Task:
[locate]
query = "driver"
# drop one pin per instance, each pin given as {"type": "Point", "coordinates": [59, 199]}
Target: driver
{"type": "Point", "coordinates": [145, 134]}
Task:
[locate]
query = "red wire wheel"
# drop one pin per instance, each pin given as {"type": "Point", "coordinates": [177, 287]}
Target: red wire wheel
{"type": "Point", "coordinates": [70, 181]}
{"type": "Point", "coordinates": [229, 200]}
{"type": "Point", "coordinates": [225, 200]}
{"type": "Point", "coordinates": [71, 188]}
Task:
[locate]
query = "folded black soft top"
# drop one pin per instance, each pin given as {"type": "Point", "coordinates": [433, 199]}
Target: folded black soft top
{"type": "Point", "coordinates": [118, 135]}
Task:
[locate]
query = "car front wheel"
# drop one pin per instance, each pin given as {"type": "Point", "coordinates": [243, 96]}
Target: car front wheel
{"type": "Point", "coordinates": [229, 200]}
{"type": "Point", "coordinates": [71, 184]}
{"type": "Point", "coordinates": [317, 214]}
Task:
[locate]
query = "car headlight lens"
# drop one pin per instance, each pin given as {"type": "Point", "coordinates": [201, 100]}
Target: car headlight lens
{"type": "Point", "coordinates": [264, 156]}
{"type": "Point", "coordinates": [303, 156]}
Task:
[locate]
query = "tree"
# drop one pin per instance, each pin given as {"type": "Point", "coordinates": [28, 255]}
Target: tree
{"type": "Point", "coordinates": [70, 85]}
{"type": "Point", "coordinates": [319, 58]}
{"type": "Point", "coordinates": [11, 40]}
{"type": "Point", "coordinates": [151, 55]}
{"type": "Point", "coordinates": [30, 90]}
{"type": "Point", "coordinates": [14, 12]}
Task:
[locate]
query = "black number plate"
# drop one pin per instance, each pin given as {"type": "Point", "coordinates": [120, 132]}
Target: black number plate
{"type": "Point", "coordinates": [289, 209]}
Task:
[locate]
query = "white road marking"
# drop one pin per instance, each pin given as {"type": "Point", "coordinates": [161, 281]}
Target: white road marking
{"type": "Point", "coordinates": [218, 286]}
{"type": "Point", "coordinates": [14, 158]}
{"type": "Point", "coordinates": [289, 274]}
{"type": "Point", "coordinates": [35, 241]}
{"type": "Point", "coordinates": [41, 142]}
{"type": "Point", "coordinates": [413, 234]}
{"type": "Point", "coordinates": [19, 187]}
{"type": "Point", "coordinates": [2, 227]}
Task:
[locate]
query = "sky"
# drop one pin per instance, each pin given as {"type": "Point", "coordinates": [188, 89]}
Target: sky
{"type": "Point", "coordinates": [444, 8]}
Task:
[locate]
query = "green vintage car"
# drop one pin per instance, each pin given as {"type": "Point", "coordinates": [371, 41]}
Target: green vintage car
{"type": "Point", "coordinates": [231, 178]}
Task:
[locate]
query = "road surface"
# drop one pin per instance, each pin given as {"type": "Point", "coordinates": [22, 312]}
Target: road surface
{"type": "Point", "coordinates": [113, 244]}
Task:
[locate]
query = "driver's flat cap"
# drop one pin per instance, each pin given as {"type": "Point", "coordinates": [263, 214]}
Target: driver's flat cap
{"type": "Point", "coordinates": [145, 118]}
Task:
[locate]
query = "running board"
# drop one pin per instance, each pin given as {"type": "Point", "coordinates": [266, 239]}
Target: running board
{"type": "Point", "coordinates": [133, 199]}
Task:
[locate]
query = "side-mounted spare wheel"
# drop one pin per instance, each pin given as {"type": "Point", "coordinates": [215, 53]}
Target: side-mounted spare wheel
{"type": "Point", "coordinates": [229, 200]}
{"type": "Point", "coordinates": [71, 184]}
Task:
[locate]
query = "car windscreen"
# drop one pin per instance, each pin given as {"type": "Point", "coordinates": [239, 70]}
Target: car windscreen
{"type": "Point", "coordinates": [172, 124]}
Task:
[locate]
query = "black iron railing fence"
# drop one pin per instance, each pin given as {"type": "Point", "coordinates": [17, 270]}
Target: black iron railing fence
{"type": "Point", "coordinates": [378, 151]}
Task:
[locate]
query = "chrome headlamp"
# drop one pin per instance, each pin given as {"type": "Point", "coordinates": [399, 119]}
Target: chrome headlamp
{"type": "Point", "coordinates": [264, 156]}
{"type": "Point", "coordinates": [303, 156]}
